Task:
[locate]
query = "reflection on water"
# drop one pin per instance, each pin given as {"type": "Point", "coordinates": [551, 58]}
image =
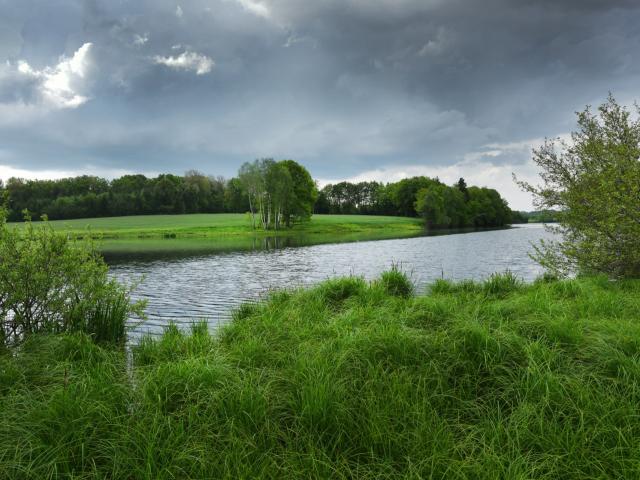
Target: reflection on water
{"type": "Point", "coordinates": [191, 283]}
{"type": "Point", "coordinates": [123, 251]}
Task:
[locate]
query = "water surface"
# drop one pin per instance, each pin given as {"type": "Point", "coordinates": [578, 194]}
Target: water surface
{"type": "Point", "coordinates": [200, 284]}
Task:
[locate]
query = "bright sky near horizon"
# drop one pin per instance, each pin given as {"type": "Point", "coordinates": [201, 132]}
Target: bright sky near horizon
{"type": "Point", "coordinates": [352, 89]}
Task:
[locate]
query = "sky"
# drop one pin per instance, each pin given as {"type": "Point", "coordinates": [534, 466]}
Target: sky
{"type": "Point", "coordinates": [352, 89]}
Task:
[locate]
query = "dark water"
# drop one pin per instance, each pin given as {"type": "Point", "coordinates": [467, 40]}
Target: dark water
{"type": "Point", "coordinates": [188, 287]}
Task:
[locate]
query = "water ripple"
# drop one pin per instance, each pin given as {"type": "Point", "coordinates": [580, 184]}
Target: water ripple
{"type": "Point", "coordinates": [209, 287]}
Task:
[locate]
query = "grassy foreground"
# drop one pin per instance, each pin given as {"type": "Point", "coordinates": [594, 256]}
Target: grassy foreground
{"type": "Point", "coordinates": [228, 224]}
{"type": "Point", "coordinates": [346, 380]}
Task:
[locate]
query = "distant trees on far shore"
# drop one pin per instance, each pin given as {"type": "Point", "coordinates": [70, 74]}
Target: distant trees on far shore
{"type": "Point", "coordinates": [89, 196]}
{"type": "Point", "coordinates": [276, 193]}
{"type": "Point", "coordinates": [441, 206]}
{"type": "Point", "coordinates": [542, 216]}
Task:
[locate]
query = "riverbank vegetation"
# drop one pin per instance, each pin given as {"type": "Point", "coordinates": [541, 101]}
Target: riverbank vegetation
{"type": "Point", "coordinates": [51, 283]}
{"type": "Point", "coordinates": [345, 380]}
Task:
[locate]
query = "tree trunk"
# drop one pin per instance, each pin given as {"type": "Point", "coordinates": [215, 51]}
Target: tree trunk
{"type": "Point", "coordinates": [253, 217]}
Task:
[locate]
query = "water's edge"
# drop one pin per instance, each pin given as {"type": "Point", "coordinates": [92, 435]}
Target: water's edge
{"type": "Point", "coordinates": [183, 286]}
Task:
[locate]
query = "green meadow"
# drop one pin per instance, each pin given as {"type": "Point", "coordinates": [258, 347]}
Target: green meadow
{"type": "Point", "coordinates": [348, 379]}
{"type": "Point", "coordinates": [203, 225]}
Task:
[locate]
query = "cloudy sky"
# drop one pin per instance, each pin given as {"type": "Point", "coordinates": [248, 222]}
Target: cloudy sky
{"type": "Point", "coordinates": [353, 89]}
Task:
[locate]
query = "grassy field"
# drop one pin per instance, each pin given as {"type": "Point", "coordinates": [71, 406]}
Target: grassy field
{"type": "Point", "coordinates": [346, 380]}
{"type": "Point", "coordinates": [228, 224]}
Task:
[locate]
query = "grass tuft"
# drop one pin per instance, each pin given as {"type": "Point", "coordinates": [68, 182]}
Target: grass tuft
{"type": "Point", "coordinates": [336, 291]}
{"type": "Point", "coordinates": [396, 283]}
{"type": "Point", "coordinates": [502, 284]}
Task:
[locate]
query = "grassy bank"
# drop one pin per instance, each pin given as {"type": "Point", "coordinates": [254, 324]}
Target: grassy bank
{"type": "Point", "coordinates": [346, 380]}
{"type": "Point", "coordinates": [229, 224]}
{"type": "Point", "coordinates": [153, 248]}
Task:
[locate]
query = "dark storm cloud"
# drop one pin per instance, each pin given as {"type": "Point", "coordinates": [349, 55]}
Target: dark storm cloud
{"type": "Point", "coordinates": [344, 86]}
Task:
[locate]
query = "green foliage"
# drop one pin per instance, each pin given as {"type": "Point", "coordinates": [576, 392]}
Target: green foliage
{"type": "Point", "coordinates": [430, 204]}
{"type": "Point", "coordinates": [594, 182]}
{"type": "Point", "coordinates": [373, 198]}
{"type": "Point", "coordinates": [442, 206]}
{"type": "Point", "coordinates": [280, 193]}
{"type": "Point", "coordinates": [85, 196]}
{"type": "Point", "coordinates": [275, 194]}
{"type": "Point", "coordinates": [404, 193]}
{"type": "Point", "coordinates": [299, 205]}
{"type": "Point", "coordinates": [538, 383]}
{"type": "Point", "coordinates": [51, 283]}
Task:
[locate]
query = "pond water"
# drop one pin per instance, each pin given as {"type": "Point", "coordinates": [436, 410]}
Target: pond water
{"type": "Point", "coordinates": [199, 284]}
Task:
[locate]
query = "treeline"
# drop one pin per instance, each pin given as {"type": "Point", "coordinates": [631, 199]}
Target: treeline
{"type": "Point", "coordinates": [276, 193]}
{"type": "Point", "coordinates": [542, 216]}
{"type": "Point", "coordinates": [89, 196]}
{"type": "Point", "coordinates": [441, 206]}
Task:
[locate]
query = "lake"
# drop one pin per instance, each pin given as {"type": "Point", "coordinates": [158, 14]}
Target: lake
{"type": "Point", "coordinates": [184, 284]}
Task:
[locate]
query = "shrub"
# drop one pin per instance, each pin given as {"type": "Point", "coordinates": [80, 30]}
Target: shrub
{"type": "Point", "coordinates": [594, 182]}
{"type": "Point", "coordinates": [52, 283]}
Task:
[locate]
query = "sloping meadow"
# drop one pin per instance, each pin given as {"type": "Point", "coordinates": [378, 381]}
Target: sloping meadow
{"type": "Point", "coordinates": [346, 380]}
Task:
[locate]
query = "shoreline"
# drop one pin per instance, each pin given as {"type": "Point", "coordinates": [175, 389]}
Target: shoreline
{"type": "Point", "coordinates": [203, 226]}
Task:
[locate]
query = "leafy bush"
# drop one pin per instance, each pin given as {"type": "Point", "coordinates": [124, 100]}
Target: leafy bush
{"type": "Point", "coordinates": [52, 283]}
{"type": "Point", "coordinates": [594, 182]}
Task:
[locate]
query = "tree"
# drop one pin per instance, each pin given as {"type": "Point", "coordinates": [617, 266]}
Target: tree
{"type": "Point", "coordinates": [404, 194]}
{"type": "Point", "coordinates": [252, 182]}
{"type": "Point", "coordinates": [430, 204]}
{"type": "Point", "coordinates": [299, 205]}
{"type": "Point", "coordinates": [462, 186]}
{"type": "Point", "coordinates": [594, 182]}
{"type": "Point", "coordinates": [168, 194]}
{"type": "Point", "coordinates": [235, 199]}
{"type": "Point", "coordinates": [278, 192]}
{"type": "Point", "coordinates": [323, 205]}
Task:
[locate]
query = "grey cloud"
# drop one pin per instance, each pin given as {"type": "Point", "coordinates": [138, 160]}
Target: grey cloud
{"type": "Point", "coordinates": [345, 86]}
{"type": "Point", "coordinates": [15, 87]}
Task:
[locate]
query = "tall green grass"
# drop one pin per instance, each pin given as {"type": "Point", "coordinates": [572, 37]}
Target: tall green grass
{"type": "Point", "coordinates": [105, 319]}
{"type": "Point", "coordinates": [346, 380]}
